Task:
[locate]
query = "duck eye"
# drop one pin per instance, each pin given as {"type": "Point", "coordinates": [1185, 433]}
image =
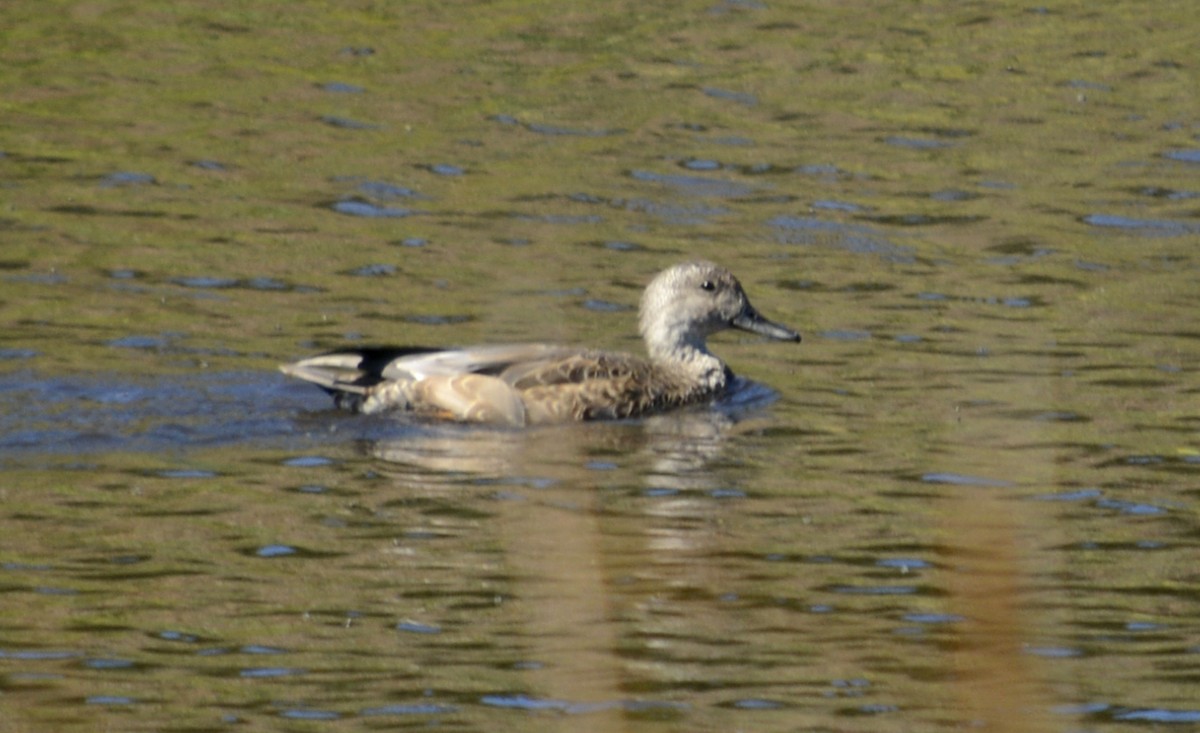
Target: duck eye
{"type": "Point", "coordinates": [708, 285]}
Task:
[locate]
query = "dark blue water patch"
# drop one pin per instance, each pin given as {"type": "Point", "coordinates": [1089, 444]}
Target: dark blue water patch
{"type": "Point", "coordinates": [1094, 86]}
{"type": "Point", "coordinates": [961, 479]}
{"type": "Point", "coordinates": [831, 205]}
{"type": "Point", "coordinates": [1169, 194]}
{"type": "Point", "coordinates": [25, 567]}
{"type": "Point", "coordinates": [998, 185]}
{"type": "Point", "coordinates": [743, 98]}
{"type": "Point", "coordinates": [383, 190]}
{"type": "Point", "coordinates": [261, 649]}
{"type": "Point", "coordinates": [658, 492]}
{"type": "Point", "coordinates": [270, 672]}
{"type": "Point", "coordinates": [1185, 155]}
{"type": "Point", "coordinates": [103, 663]}
{"type": "Point", "coordinates": [308, 462]}
{"type": "Point", "coordinates": [528, 664]}
{"type": "Point", "coordinates": [933, 618]}
{"type": "Point", "coordinates": [47, 590]}
{"type": "Point", "coordinates": [846, 335]}
{"type": "Point", "coordinates": [915, 143]}
{"type": "Point", "coordinates": [109, 700]}
{"type": "Point", "coordinates": [560, 130]}
{"type": "Point", "coordinates": [206, 282]}
{"type": "Point", "coordinates": [433, 319]}
{"type": "Point", "coordinates": [873, 590]}
{"type": "Point", "coordinates": [415, 627]}
{"type": "Point", "coordinates": [425, 708]}
{"type": "Point", "coordinates": [756, 703]}
{"type": "Point", "coordinates": [358, 207]}
{"type": "Point", "coordinates": [824, 170]}
{"type": "Point", "coordinates": [270, 551]}
{"type": "Point", "coordinates": [727, 494]}
{"type": "Point", "coordinates": [445, 169]}
{"type": "Point", "coordinates": [39, 655]}
{"type": "Point", "coordinates": [100, 413]}
{"type": "Point", "coordinates": [604, 306]}
{"type": "Point", "coordinates": [601, 465]}
{"type": "Point", "coordinates": [346, 123]}
{"type": "Point", "coordinates": [566, 219]}
{"type": "Point", "coordinates": [7, 354]}
{"type": "Point", "coordinates": [338, 87]}
{"type": "Point", "coordinates": [1145, 227]}
{"type": "Point", "coordinates": [621, 246]}
{"type": "Point", "coordinates": [701, 164]}
{"type": "Point", "coordinates": [1158, 715]}
{"type": "Point", "coordinates": [1129, 507]}
{"type": "Point", "coordinates": [1053, 652]}
{"type": "Point", "coordinates": [186, 473]}
{"type": "Point", "coordinates": [698, 186]}
{"type": "Point", "coordinates": [209, 165]}
{"type": "Point", "coordinates": [903, 563]}
{"type": "Point", "coordinates": [178, 636]}
{"type": "Point", "coordinates": [523, 702]}
{"type": "Point", "coordinates": [217, 282]}
{"type": "Point", "coordinates": [876, 709]}
{"type": "Point", "coordinates": [726, 6]}
{"type": "Point", "coordinates": [143, 342]}
{"type": "Point", "coordinates": [265, 283]}
{"type": "Point", "coordinates": [1073, 495]}
{"type": "Point", "coordinates": [373, 270]}
{"type": "Point", "coordinates": [308, 714]}
{"type": "Point", "coordinates": [1144, 460]}
{"type": "Point", "coordinates": [671, 213]}
{"type": "Point", "coordinates": [855, 238]}
{"type": "Point", "coordinates": [127, 178]}
{"type": "Point", "coordinates": [38, 278]}
{"type": "Point", "coordinates": [413, 242]}
{"type": "Point", "coordinates": [555, 130]}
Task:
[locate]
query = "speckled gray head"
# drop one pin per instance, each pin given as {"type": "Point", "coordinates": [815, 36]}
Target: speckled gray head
{"type": "Point", "coordinates": [685, 304]}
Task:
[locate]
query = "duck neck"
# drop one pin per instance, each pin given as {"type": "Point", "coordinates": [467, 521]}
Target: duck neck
{"type": "Point", "coordinates": [693, 362]}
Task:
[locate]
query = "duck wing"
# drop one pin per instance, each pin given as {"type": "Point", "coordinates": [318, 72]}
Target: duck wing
{"type": "Point", "coordinates": [491, 360]}
{"type": "Point", "coordinates": [573, 366]}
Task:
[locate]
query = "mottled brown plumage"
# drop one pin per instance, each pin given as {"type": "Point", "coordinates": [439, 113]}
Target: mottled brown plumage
{"type": "Point", "coordinates": [528, 384]}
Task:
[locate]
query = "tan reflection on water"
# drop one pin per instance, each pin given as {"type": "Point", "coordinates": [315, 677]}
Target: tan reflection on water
{"type": "Point", "coordinates": [996, 682]}
{"type": "Point", "coordinates": [554, 538]}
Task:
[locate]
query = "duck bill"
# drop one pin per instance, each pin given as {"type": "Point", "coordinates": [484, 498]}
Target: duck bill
{"type": "Point", "coordinates": [752, 321]}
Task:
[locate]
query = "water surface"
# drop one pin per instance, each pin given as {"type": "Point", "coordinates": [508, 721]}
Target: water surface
{"type": "Point", "coordinates": [967, 499]}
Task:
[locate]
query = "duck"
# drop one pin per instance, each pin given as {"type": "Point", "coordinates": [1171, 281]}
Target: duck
{"type": "Point", "coordinates": [537, 383]}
